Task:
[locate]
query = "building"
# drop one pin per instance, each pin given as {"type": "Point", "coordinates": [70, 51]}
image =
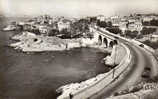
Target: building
{"type": "Point", "coordinates": [154, 38]}
{"type": "Point", "coordinates": [27, 27]}
{"type": "Point", "coordinates": [135, 26]}
{"type": "Point", "coordinates": [101, 17]}
{"type": "Point", "coordinates": [63, 24]}
{"type": "Point", "coordinates": [123, 26]}
{"type": "Point", "coordinates": [44, 30]}
{"type": "Point", "coordinates": [115, 20]}
{"type": "Point", "coordinates": [149, 18]}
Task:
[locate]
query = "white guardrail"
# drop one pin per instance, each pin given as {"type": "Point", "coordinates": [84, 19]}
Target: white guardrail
{"type": "Point", "coordinates": [84, 93]}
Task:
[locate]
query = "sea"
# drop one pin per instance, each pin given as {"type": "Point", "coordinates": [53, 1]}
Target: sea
{"type": "Point", "coordinates": [38, 75]}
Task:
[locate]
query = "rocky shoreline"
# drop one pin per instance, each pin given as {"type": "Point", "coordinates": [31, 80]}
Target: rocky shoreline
{"type": "Point", "coordinates": [29, 42]}
{"type": "Point", "coordinates": [66, 90]}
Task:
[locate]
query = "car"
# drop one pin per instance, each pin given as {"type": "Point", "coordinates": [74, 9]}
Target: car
{"type": "Point", "coordinates": [141, 45]}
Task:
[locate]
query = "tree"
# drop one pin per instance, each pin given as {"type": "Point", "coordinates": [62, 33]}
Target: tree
{"type": "Point", "coordinates": [114, 30]}
{"type": "Point", "coordinates": [93, 19]}
{"type": "Point", "coordinates": [101, 24]}
{"type": "Point", "coordinates": [77, 29]}
{"type": "Point", "coordinates": [154, 22]}
{"type": "Point", "coordinates": [146, 23]}
{"type": "Point", "coordinates": [151, 44]}
{"type": "Point", "coordinates": [80, 26]}
{"type": "Point", "coordinates": [139, 36]}
{"type": "Point", "coordinates": [98, 22]}
{"type": "Point", "coordinates": [109, 24]}
{"type": "Point", "coordinates": [146, 30]}
{"type": "Point", "coordinates": [53, 32]}
{"type": "Point", "coordinates": [131, 34]}
{"type": "Point", "coordinates": [90, 35]}
{"type": "Point", "coordinates": [65, 33]}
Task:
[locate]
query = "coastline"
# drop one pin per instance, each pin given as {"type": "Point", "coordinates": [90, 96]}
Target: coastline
{"type": "Point", "coordinates": [29, 42]}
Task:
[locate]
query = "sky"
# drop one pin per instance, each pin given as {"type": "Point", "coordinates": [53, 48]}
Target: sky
{"type": "Point", "coordinates": [77, 8]}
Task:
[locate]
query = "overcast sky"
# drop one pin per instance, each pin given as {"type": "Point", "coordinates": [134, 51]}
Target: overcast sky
{"type": "Point", "coordinates": [76, 8]}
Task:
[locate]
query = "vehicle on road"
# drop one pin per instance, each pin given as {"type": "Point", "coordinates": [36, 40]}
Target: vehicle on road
{"type": "Point", "coordinates": [141, 45]}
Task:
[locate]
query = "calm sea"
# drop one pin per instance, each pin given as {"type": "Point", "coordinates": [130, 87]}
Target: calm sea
{"type": "Point", "coordinates": [38, 75]}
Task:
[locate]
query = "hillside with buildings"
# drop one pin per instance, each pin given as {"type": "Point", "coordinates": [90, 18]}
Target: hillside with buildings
{"type": "Point", "coordinates": [143, 27]}
{"type": "Point", "coordinates": [47, 33]}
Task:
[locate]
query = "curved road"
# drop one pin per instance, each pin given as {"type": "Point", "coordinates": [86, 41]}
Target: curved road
{"type": "Point", "coordinates": [140, 59]}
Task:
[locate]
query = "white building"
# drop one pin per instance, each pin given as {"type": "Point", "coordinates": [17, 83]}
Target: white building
{"type": "Point", "coordinates": [135, 26]}
{"type": "Point", "coordinates": [43, 29]}
{"type": "Point", "coordinates": [149, 18]}
{"type": "Point", "coordinates": [115, 20]}
{"type": "Point", "coordinates": [63, 24]}
{"type": "Point", "coordinates": [123, 26]}
{"type": "Point", "coordinates": [154, 38]}
{"type": "Point", "coordinates": [101, 17]}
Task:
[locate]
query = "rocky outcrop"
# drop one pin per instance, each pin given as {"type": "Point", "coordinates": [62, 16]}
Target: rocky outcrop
{"type": "Point", "coordinates": [9, 28]}
{"type": "Point", "coordinates": [29, 42]}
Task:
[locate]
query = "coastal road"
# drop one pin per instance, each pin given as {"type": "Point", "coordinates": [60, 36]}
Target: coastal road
{"type": "Point", "coordinates": [141, 59]}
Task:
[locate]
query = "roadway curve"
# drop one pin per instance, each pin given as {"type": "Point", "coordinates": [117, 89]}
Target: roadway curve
{"type": "Point", "coordinates": [141, 59]}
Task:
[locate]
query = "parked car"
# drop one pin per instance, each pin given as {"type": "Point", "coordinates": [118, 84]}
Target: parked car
{"type": "Point", "coordinates": [141, 45]}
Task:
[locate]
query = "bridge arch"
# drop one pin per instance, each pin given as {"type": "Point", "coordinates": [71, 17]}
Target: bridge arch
{"type": "Point", "coordinates": [100, 40]}
{"type": "Point", "coordinates": [111, 44]}
{"type": "Point", "coordinates": [115, 42]}
{"type": "Point", "coordinates": [105, 41]}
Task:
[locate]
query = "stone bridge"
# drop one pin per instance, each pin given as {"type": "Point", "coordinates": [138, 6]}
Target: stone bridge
{"type": "Point", "coordinates": [103, 39]}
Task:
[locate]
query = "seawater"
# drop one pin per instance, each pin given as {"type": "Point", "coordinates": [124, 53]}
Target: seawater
{"type": "Point", "coordinates": [38, 75]}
